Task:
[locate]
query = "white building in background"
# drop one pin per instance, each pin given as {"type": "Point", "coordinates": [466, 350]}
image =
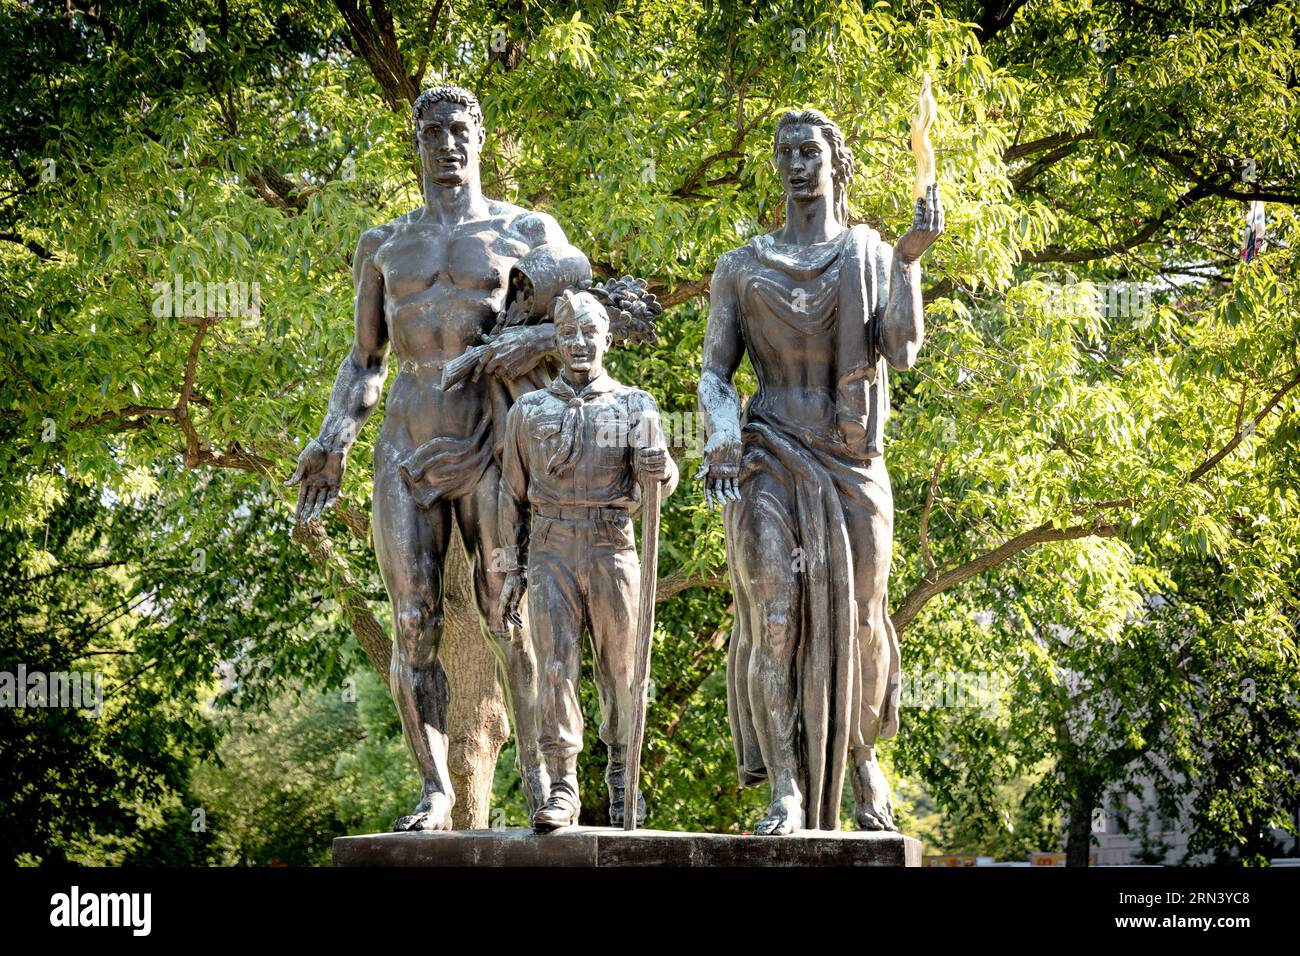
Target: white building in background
{"type": "Point", "coordinates": [1131, 832]}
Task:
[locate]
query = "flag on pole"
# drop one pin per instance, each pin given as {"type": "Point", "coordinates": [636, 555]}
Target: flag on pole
{"type": "Point", "coordinates": [1255, 241]}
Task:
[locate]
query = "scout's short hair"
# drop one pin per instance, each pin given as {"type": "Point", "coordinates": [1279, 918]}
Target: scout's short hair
{"type": "Point", "coordinates": [569, 305]}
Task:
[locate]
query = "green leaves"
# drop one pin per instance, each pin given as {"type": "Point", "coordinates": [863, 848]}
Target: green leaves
{"type": "Point", "coordinates": [1098, 362]}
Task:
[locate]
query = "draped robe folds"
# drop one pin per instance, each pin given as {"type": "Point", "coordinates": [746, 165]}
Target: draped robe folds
{"type": "Point", "coordinates": [826, 472]}
{"type": "Point", "coordinates": [445, 467]}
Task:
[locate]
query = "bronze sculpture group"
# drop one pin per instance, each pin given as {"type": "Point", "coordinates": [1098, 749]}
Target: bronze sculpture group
{"type": "Point", "coordinates": [502, 419]}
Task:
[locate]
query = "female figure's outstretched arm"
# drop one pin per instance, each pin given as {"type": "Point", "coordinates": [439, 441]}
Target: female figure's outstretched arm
{"type": "Point", "coordinates": [903, 329]}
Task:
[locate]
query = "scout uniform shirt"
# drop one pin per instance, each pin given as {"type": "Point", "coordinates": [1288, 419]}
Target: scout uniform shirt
{"type": "Point", "coordinates": [570, 454]}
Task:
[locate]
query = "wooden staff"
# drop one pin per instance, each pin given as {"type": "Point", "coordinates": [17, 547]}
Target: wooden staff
{"type": "Point", "coordinates": [645, 632]}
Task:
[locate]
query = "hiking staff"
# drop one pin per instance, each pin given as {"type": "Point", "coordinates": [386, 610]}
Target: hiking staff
{"type": "Point", "coordinates": [645, 626]}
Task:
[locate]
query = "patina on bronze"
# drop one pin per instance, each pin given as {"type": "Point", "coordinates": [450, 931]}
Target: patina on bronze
{"type": "Point", "coordinates": [822, 310]}
{"type": "Point", "coordinates": [431, 285]}
{"type": "Point", "coordinates": [576, 453]}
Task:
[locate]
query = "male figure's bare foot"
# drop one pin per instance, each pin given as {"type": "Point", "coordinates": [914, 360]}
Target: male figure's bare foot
{"type": "Point", "coordinates": [431, 813]}
{"type": "Point", "coordinates": [873, 806]}
{"type": "Point", "coordinates": [784, 816]}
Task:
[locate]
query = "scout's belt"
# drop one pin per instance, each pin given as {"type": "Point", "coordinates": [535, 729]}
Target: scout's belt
{"type": "Point", "coordinates": [579, 512]}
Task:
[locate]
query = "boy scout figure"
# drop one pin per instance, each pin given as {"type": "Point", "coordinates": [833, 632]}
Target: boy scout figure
{"type": "Point", "coordinates": [569, 459]}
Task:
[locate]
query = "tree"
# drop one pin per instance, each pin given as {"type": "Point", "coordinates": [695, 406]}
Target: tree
{"type": "Point", "coordinates": [1042, 445]}
{"type": "Point", "coordinates": [98, 764]}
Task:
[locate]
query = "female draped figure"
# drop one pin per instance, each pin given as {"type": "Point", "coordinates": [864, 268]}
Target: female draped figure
{"type": "Point", "coordinates": [822, 310]}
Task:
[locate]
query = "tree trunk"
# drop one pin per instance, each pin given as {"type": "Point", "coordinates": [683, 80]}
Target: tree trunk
{"type": "Point", "coordinates": [1078, 832]}
{"type": "Point", "coordinates": [476, 720]}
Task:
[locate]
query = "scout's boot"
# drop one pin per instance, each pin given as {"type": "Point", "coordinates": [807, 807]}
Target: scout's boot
{"type": "Point", "coordinates": [561, 807]}
{"type": "Point", "coordinates": [616, 781]}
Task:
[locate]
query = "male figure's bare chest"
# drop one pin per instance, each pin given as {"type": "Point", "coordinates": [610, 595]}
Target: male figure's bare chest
{"type": "Point", "coordinates": [471, 257]}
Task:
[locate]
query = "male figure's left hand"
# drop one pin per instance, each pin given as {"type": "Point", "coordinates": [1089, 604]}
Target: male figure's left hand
{"type": "Point", "coordinates": [515, 351]}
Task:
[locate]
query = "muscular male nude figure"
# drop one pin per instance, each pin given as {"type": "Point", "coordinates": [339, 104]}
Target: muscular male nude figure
{"type": "Point", "coordinates": [427, 284]}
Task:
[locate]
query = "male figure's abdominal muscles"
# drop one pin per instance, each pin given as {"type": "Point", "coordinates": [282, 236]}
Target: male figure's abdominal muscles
{"type": "Point", "coordinates": [417, 403]}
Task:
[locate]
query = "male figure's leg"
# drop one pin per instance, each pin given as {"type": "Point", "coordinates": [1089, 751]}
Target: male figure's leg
{"type": "Point", "coordinates": [556, 614]}
{"type": "Point", "coordinates": [612, 608]}
{"type": "Point", "coordinates": [410, 545]}
{"type": "Point", "coordinates": [768, 571]}
{"type": "Point", "coordinates": [516, 667]}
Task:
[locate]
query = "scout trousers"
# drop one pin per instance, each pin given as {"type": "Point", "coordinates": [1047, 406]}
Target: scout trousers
{"type": "Point", "coordinates": [583, 576]}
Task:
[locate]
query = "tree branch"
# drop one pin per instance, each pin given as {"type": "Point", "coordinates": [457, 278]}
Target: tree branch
{"type": "Point", "coordinates": [431, 24]}
{"type": "Point", "coordinates": [380, 52]}
{"type": "Point", "coordinates": [681, 291]}
{"type": "Point", "coordinates": [1020, 150]}
{"type": "Point", "coordinates": [1200, 470]}
{"type": "Point", "coordinates": [1149, 229]}
{"type": "Point", "coordinates": [673, 584]}
{"type": "Point", "coordinates": [130, 417]}
{"type": "Point", "coordinates": [996, 17]}
{"type": "Point", "coordinates": [1022, 179]}
{"type": "Point", "coordinates": [31, 245]}
{"type": "Point", "coordinates": [369, 632]}
{"type": "Point", "coordinates": [924, 532]}
{"type": "Point", "coordinates": [277, 190]}
{"type": "Point", "coordinates": [687, 189]}
{"type": "Point", "coordinates": [931, 585]}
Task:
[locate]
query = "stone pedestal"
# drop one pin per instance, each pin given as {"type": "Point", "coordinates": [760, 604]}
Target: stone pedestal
{"type": "Point", "coordinates": [605, 846]}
